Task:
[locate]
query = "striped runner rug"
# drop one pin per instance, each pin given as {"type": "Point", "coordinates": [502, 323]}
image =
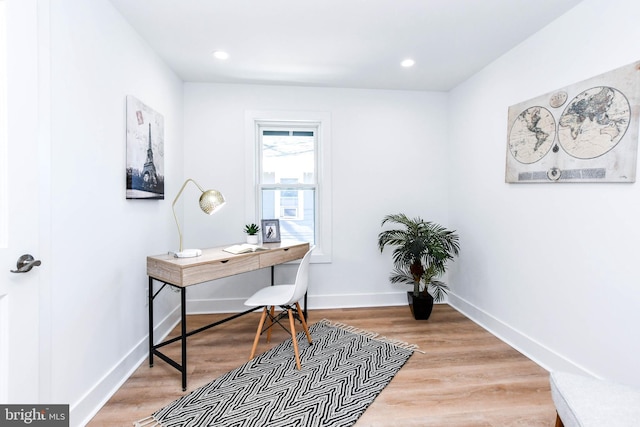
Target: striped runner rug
{"type": "Point", "coordinates": [342, 373]}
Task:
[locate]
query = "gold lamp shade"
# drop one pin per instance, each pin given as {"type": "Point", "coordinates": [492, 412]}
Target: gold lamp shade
{"type": "Point", "coordinates": [210, 202]}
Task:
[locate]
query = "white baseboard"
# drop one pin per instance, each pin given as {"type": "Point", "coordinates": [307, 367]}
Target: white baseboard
{"type": "Point", "coordinates": [526, 345]}
{"type": "Point", "coordinates": [94, 399]}
{"type": "Point", "coordinates": [236, 305]}
{"type": "Point", "coordinates": [89, 405]}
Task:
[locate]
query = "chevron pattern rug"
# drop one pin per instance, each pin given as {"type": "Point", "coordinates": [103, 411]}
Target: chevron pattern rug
{"type": "Point", "coordinates": [342, 373]}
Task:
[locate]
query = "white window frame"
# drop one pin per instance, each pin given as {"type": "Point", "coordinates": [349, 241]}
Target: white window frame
{"type": "Point", "coordinates": [322, 251]}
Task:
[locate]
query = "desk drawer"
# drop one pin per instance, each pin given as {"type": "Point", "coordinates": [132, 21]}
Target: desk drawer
{"type": "Point", "coordinates": [164, 271]}
{"type": "Point", "coordinates": [223, 268]}
{"type": "Point", "coordinates": [280, 256]}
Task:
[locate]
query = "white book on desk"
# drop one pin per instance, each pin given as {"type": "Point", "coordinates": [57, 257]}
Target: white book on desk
{"type": "Point", "coordinates": [243, 248]}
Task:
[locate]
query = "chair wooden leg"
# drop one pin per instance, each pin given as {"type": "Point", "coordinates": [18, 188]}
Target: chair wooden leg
{"type": "Point", "coordinates": [257, 338]}
{"type": "Point", "coordinates": [558, 421]}
{"type": "Point", "coordinates": [270, 324]}
{"type": "Point", "coordinates": [292, 325]}
{"type": "Point", "coordinates": [304, 323]}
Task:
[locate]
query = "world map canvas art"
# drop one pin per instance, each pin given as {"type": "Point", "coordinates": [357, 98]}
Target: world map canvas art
{"type": "Point", "coordinates": [587, 132]}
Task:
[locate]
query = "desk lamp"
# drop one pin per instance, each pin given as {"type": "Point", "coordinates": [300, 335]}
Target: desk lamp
{"type": "Point", "coordinates": [210, 202]}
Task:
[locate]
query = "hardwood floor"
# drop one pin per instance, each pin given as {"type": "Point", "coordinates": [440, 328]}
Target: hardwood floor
{"type": "Point", "coordinates": [465, 377]}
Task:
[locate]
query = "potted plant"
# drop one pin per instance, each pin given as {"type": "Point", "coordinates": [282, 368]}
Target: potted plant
{"type": "Point", "coordinates": [422, 250]}
{"type": "Point", "coordinates": [252, 233]}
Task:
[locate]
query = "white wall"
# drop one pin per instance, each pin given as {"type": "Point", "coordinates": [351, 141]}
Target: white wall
{"type": "Point", "coordinates": [551, 268]}
{"type": "Point", "coordinates": [99, 240]}
{"type": "Point", "coordinates": [388, 156]}
{"type": "Point", "coordinates": [547, 267]}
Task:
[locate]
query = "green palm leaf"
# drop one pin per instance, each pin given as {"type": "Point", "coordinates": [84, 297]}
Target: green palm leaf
{"type": "Point", "coordinates": [421, 252]}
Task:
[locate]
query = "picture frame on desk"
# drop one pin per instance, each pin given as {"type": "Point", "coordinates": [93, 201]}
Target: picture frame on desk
{"type": "Point", "coordinates": [270, 231]}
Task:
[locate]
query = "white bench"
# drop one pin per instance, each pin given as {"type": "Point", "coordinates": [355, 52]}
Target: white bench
{"type": "Point", "coordinates": [588, 402]}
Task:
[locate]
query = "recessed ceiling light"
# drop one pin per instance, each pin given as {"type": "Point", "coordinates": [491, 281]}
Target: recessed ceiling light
{"type": "Point", "coordinates": [220, 54]}
{"type": "Point", "coordinates": [408, 63]}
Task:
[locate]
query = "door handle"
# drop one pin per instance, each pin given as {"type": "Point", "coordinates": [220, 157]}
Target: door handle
{"type": "Point", "coordinates": [26, 263]}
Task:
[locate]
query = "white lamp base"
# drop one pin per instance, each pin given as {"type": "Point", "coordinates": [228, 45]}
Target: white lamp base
{"type": "Point", "coordinates": [188, 253]}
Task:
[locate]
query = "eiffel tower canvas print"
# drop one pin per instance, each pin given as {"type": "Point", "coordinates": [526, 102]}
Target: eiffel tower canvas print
{"type": "Point", "coordinates": [145, 151]}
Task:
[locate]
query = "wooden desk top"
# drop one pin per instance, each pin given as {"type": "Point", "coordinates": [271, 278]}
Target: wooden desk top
{"type": "Point", "coordinates": [215, 263]}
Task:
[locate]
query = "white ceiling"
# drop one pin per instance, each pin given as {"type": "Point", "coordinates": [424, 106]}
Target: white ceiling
{"type": "Point", "coordinates": [337, 43]}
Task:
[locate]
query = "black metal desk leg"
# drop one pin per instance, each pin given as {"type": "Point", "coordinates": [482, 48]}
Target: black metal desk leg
{"type": "Point", "coordinates": [183, 315]}
{"type": "Point", "coordinates": [306, 316]}
{"type": "Point", "coordinates": [150, 303]}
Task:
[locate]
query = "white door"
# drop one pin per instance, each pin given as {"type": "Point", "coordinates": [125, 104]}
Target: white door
{"type": "Point", "coordinates": [20, 189]}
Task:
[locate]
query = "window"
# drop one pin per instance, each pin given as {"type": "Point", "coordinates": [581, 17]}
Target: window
{"type": "Point", "coordinates": [289, 176]}
{"type": "Point", "coordinates": [286, 178]}
{"type": "Point", "coordinates": [291, 202]}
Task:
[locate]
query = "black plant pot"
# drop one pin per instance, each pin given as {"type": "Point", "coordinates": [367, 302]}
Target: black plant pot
{"type": "Point", "coordinates": [421, 306]}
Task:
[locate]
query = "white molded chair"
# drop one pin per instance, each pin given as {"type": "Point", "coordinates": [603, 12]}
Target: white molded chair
{"type": "Point", "coordinates": [286, 297]}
